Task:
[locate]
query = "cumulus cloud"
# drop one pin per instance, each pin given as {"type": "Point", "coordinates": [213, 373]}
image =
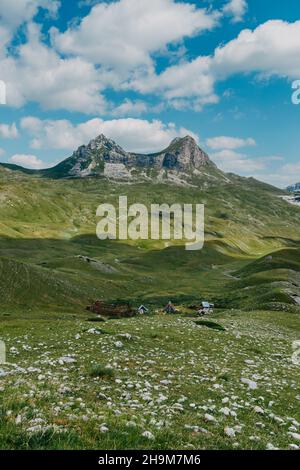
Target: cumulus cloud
{"type": "Point", "coordinates": [187, 80]}
{"type": "Point", "coordinates": [135, 135]}
{"type": "Point", "coordinates": [37, 73]}
{"type": "Point", "coordinates": [111, 48]}
{"type": "Point", "coordinates": [8, 131]}
{"type": "Point", "coordinates": [124, 34]}
{"type": "Point", "coordinates": [229, 160]}
{"type": "Point", "coordinates": [272, 48]}
{"type": "Point", "coordinates": [237, 9]}
{"type": "Point", "coordinates": [225, 142]}
{"type": "Point", "coordinates": [29, 161]}
{"type": "Point", "coordinates": [232, 161]}
{"type": "Point", "coordinates": [15, 13]}
{"type": "Point", "coordinates": [116, 46]}
{"type": "Point", "coordinates": [129, 107]}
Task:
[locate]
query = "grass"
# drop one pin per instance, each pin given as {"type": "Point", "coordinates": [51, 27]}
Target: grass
{"type": "Point", "coordinates": [97, 319]}
{"type": "Point", "coordinates": [99, 370]}
{"type": "Point", "coordinates": [165, 382]}
{"type": "Point", "coordinates": [175, 374]}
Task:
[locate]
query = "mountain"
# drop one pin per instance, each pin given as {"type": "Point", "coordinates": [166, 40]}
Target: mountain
{"type": "Point", "coordinates": [103, 157]}
{"type": "Point", "coordinates": [293, 188]}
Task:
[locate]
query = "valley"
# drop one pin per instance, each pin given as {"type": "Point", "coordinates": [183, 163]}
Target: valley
{"type": "Point", "coordinates": [153, 381]}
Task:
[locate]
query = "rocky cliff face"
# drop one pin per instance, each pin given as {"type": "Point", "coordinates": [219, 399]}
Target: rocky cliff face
{"type": "Point", "coordinates": [103, 157]}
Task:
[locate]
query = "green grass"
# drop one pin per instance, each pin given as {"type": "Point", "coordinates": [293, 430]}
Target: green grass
{"type": "Point", "coordinates": [99, 370]}
{"type": "Point", "coordinates": [175, 371]}
{"type": "Point", "coordinates": [165, 382]}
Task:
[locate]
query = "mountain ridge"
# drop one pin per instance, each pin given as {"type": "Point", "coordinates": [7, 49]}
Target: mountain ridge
{"type": "Point", "coordinates": [104, 157]}
{"type": "Point", "coordinates": [182, 163]}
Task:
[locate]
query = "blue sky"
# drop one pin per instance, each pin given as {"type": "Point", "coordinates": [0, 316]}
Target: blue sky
{"type": "Point", "coordinates": [144, 72]}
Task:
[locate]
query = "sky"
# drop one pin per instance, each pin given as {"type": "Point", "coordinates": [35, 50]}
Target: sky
{"type": "Point", "coordinates": [145, 72]}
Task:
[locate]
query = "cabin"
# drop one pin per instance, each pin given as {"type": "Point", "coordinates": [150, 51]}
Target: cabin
{"type": "Point", "coordinates": [169, 308]}
{"type": "Point", "coordinates": [206, 308]}
{"type": "Point", "coordinates": [142, 310]}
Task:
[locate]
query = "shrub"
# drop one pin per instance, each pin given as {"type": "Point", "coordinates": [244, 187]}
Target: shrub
{"type": "Point", "coordinates": [99, 370]}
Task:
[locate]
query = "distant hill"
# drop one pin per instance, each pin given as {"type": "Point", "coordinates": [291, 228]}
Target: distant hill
{"type": "Point", "coordinates": [293, 188]}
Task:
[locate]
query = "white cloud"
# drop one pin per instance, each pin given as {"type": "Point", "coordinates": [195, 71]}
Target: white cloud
{"type": "Point", "coordinates": [232, 161]}
{"type": "Point", "coordinates": [129, 107]}
{"type": "Point", "coordinates": [2, 152]}
{"type": "Point", "coordinates": [225, 142]}
{"type": "Point", "coordinates": [237, 9]}
{"type": "Point", "coordinates": [29, 161]}
{"type": "Point", "coordinates": [272, 48]}
{"type": "Point", "coordinates": [285, 175]}
{"type": "Point", "coordinates": [229, 160]}
{"type": "Point", "coordinates": [8, 131]}
{"type": "Point", "coordinates": [15, 13]}
{"type": "Point", "coordinates": [134, 135]}
{"type": "Point", "coordinates": [125, 33]}
{"type": "Point", "coordinates": [115, 46]}
{"type": "Point", "coordinates": [46, 78]}
{"type": "Point", "coordinates": [185, 80]}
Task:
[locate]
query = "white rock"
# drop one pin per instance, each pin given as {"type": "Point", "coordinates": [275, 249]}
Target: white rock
{"type": "Point", "coordinates": [251, 384]}
{"type": "Point", "coordinates": [209, 418]}
{"type": "Point", "coordinates": [66, 360]}
{"type": "Point", "coordinates": [104, 428]}
{"type": "Point", "coordinates": [18, 419]}
{"type": "Point", "coordinates": [165, 382]}
{"type": "Point", "coordinates": [271, 447]}
{"type": "Point", "coordinates": [259, 410]}
{"type": "Point", "coordinates": [230, 432]}
{"type": "Point", "coordinates": [94, 331]}
{"type": "Point", "coordinates": [148, 435]}
{"type": "Point", "coordinates": [295, 435]}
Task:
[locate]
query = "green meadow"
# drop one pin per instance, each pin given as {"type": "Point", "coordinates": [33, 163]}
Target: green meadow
{"type": "Point", "coordinates": [155, 381]}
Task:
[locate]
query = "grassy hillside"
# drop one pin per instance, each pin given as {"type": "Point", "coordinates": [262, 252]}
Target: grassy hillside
{"type": "Point", "coordinates": [48, 226]}
{"type": "Point", "coordinates": [167, 382]}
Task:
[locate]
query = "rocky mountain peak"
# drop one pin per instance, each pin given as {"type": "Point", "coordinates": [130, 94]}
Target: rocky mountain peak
{"type": "Point", "coordinates": [185, 153]}
{"type": "Point", "coordinates": [104, 157]}
{"type": "Point", "coordinates": [103, 142]}
{"type": "Point", "coordinates": [187, 140]}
